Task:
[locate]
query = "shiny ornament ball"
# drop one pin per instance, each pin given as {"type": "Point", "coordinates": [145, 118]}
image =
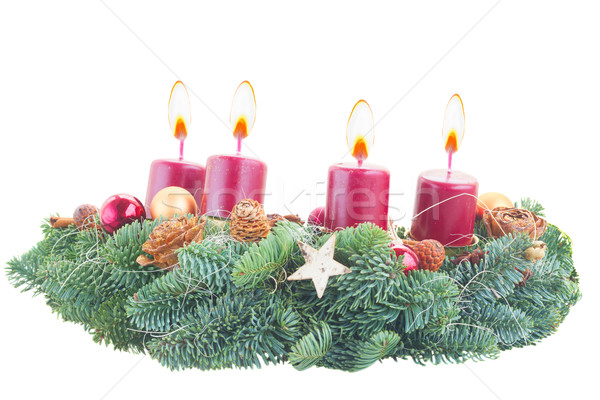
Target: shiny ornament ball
{"type": "Point", "coordinates": [410, 260]}
{"type": "Point", "coordinates": [85, 216]}
{"type": "Point", "coordinates": [490, 201]}
{"type": "Point", "coordinates": [120, 210]}
{"type": "Point", "coordinates": [317, 216]}
{"type": "Point", "coordinates": [172, 201]}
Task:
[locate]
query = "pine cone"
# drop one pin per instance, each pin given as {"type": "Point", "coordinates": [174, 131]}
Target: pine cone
{"type": "Point", "coordinates": [503, 220]}
{"type": "Point", "coordinates": [169, 236]}
{"type": "Point", "coordinates": [85, 217]}
{"type": "Point", "coordinates": [431, 253]}
{"type": "Point", "coordinates": [248, 222]}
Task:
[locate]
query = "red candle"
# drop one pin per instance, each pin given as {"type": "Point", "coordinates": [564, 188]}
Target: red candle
{"type": "Point", "coordinates": [170, 172]}
{"type": "Point", "coordinates": [446, 200]}
{"type": "Point", "coordinates": [231, 178]}
{"type": "Point", "coordinates": [445, 207]}
{"type": "Point", "coordinates": [184, 174]}
{"type": "Point", "coordinates": [357, 193]}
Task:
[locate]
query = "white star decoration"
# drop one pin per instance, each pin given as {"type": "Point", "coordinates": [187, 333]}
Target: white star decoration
{"type": "Point", "coordinates": [319, 265]}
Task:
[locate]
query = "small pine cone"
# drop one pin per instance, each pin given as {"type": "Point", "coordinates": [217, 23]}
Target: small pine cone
{"type": "Point", "coordinates": [168, 237]}
{"type": "Point", "coordinates": [85, 217]}
{"type": "Point", "coordinates": [248, 222]}
{"type": "Point", "coordinates": [431, 253]}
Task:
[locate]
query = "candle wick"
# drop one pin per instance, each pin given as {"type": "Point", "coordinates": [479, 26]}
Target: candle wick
{"type": "Point", "coordinates": [181, 150]}
{"type": "Point", "coordinates": [450, 162]}
{"type": "Point", "coordinates": [360, 163]}
{"type": "Point", "coordinates": [239, 144]}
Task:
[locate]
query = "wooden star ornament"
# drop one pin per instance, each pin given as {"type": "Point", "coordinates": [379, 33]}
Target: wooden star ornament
{"type": "Point", "coordinates": [319, 265]}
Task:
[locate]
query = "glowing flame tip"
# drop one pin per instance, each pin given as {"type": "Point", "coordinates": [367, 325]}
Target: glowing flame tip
{"type": "Point", "coordinates": [243, 110]}
{"type": "Point", "coordinates": [359, 132]}
{"type": "Point", "coordinates": [453, 130]}
{"type": "Point", "coordinates": [180, 114]}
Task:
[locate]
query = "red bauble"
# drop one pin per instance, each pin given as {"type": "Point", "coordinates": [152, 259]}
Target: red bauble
{"type": "Point", "coordinates": [317, 216]}
{"type": "Point", "coordinates": [410, 261]}
{"type": "Point", "coordinates": [120, 210]}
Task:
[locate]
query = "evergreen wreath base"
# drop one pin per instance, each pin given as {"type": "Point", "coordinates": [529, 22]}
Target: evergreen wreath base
{"type": "Point", "coordinates": [228, 304]}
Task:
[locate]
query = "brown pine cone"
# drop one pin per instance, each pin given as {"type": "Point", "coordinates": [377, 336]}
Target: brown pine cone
{"type": "Point", "coordinates": [248, 221]}
{"type": "Point", "coordinates": [168, 237]}
{"type": "Point", "coordinates": [85, 217]}
{"type": "Point", "coordinates": [430, 252]}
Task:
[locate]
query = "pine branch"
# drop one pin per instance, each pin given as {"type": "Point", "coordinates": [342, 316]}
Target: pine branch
{"type": "Point", "coordinates": [122, 250]}
{"type": "Point", "coordinates": [111, 325]}
{"type": "Point", "coordinates": [496, 276]}
{"type": "Point", "coordinates": [532, 205]}
{"type": "Point", "coordinates": [511, 326]}
{"type": "Point", "coordinates": [463, 342]}
{"type": "Point", "coordinates": [311, 348]}
{"type": "Point", "coordinates": [267, 259]}
{"type": "Point", "coordinates": [356, 355]}
{"type": "Point", "coordinates": [237, 331]}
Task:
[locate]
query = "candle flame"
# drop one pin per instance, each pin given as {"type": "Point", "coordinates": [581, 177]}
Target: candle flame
{"type": "Point", "coordinates": [241, 128]}
{"type": "Point", "coordinates": [360, 149]}
{"type": "Point", "coordinates": [243, 111]}
{"type": "Point", "coordinates": [451, 142]}
{"type": "Point", "coordinates": [180, 115]}
{"type": "Point", "coordinates": [359, 132]}
{"type": "Point", "coordinates": [453, 129]}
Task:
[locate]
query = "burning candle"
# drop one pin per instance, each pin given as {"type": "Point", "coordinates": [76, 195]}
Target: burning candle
{"type": "Point", "coordinates": [446, 200]}
{"type": "Point", "coordinates": [357, 192]}
{"type": "Point", "coordinates": [234, 177]}
{"type": "Point", "coordinates": [176, 172]}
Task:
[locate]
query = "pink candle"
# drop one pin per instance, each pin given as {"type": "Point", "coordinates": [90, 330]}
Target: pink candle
{"type": "Point", "coordinates": [357, 193]}
{"type": "Point", "coordinates": [445, 207]}
{"type": "Point", "coordinates": [446, 200]}
{"type": "Point", "coordinates": [231, 178]}
{"type": "Point", "coordinates": [184, 174]}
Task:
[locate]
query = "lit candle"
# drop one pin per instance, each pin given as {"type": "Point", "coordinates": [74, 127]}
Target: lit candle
{"type": "Point", "coordinates": [357, 192]}
{"type": "Point", "coordinates": [446, 200]}
{"type": "Point", "coordinates": [234, 177]}
{"type": "Point", "coordinates": [176, 172]}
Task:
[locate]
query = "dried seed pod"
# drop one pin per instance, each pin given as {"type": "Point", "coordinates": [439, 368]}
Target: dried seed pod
{"type": "Point", "coordinates": [430, 252]}
{"type": "Point", "coordinates": [502, 221]}
{"type": "Point", "coordinates": [536, 252]}
{"type": "Point", "coordinates": [85, 217]}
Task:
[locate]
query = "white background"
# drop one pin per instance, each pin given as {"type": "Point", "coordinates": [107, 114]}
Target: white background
{"type": "Point", "coordinates": [83, 112]}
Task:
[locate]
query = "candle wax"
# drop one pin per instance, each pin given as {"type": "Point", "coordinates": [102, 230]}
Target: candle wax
{"type": "Point", "coordinates": [357, 194]}
{"type": "Point", "coordinates": [184, 174]}
{"type": "Point", "coordinates": [436, 217]}
{"type": "Point", "coordinates": [229, 179]}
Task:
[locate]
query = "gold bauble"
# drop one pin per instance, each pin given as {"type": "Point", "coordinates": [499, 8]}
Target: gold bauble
{"type": "Point", "coordinates": [491, 200]}
{"type": "Point", "coordinates": [172, 201]}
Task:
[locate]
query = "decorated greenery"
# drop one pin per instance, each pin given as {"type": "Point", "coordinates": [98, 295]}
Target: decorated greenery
{"type": "Point", "coordinates": [229, 304]}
